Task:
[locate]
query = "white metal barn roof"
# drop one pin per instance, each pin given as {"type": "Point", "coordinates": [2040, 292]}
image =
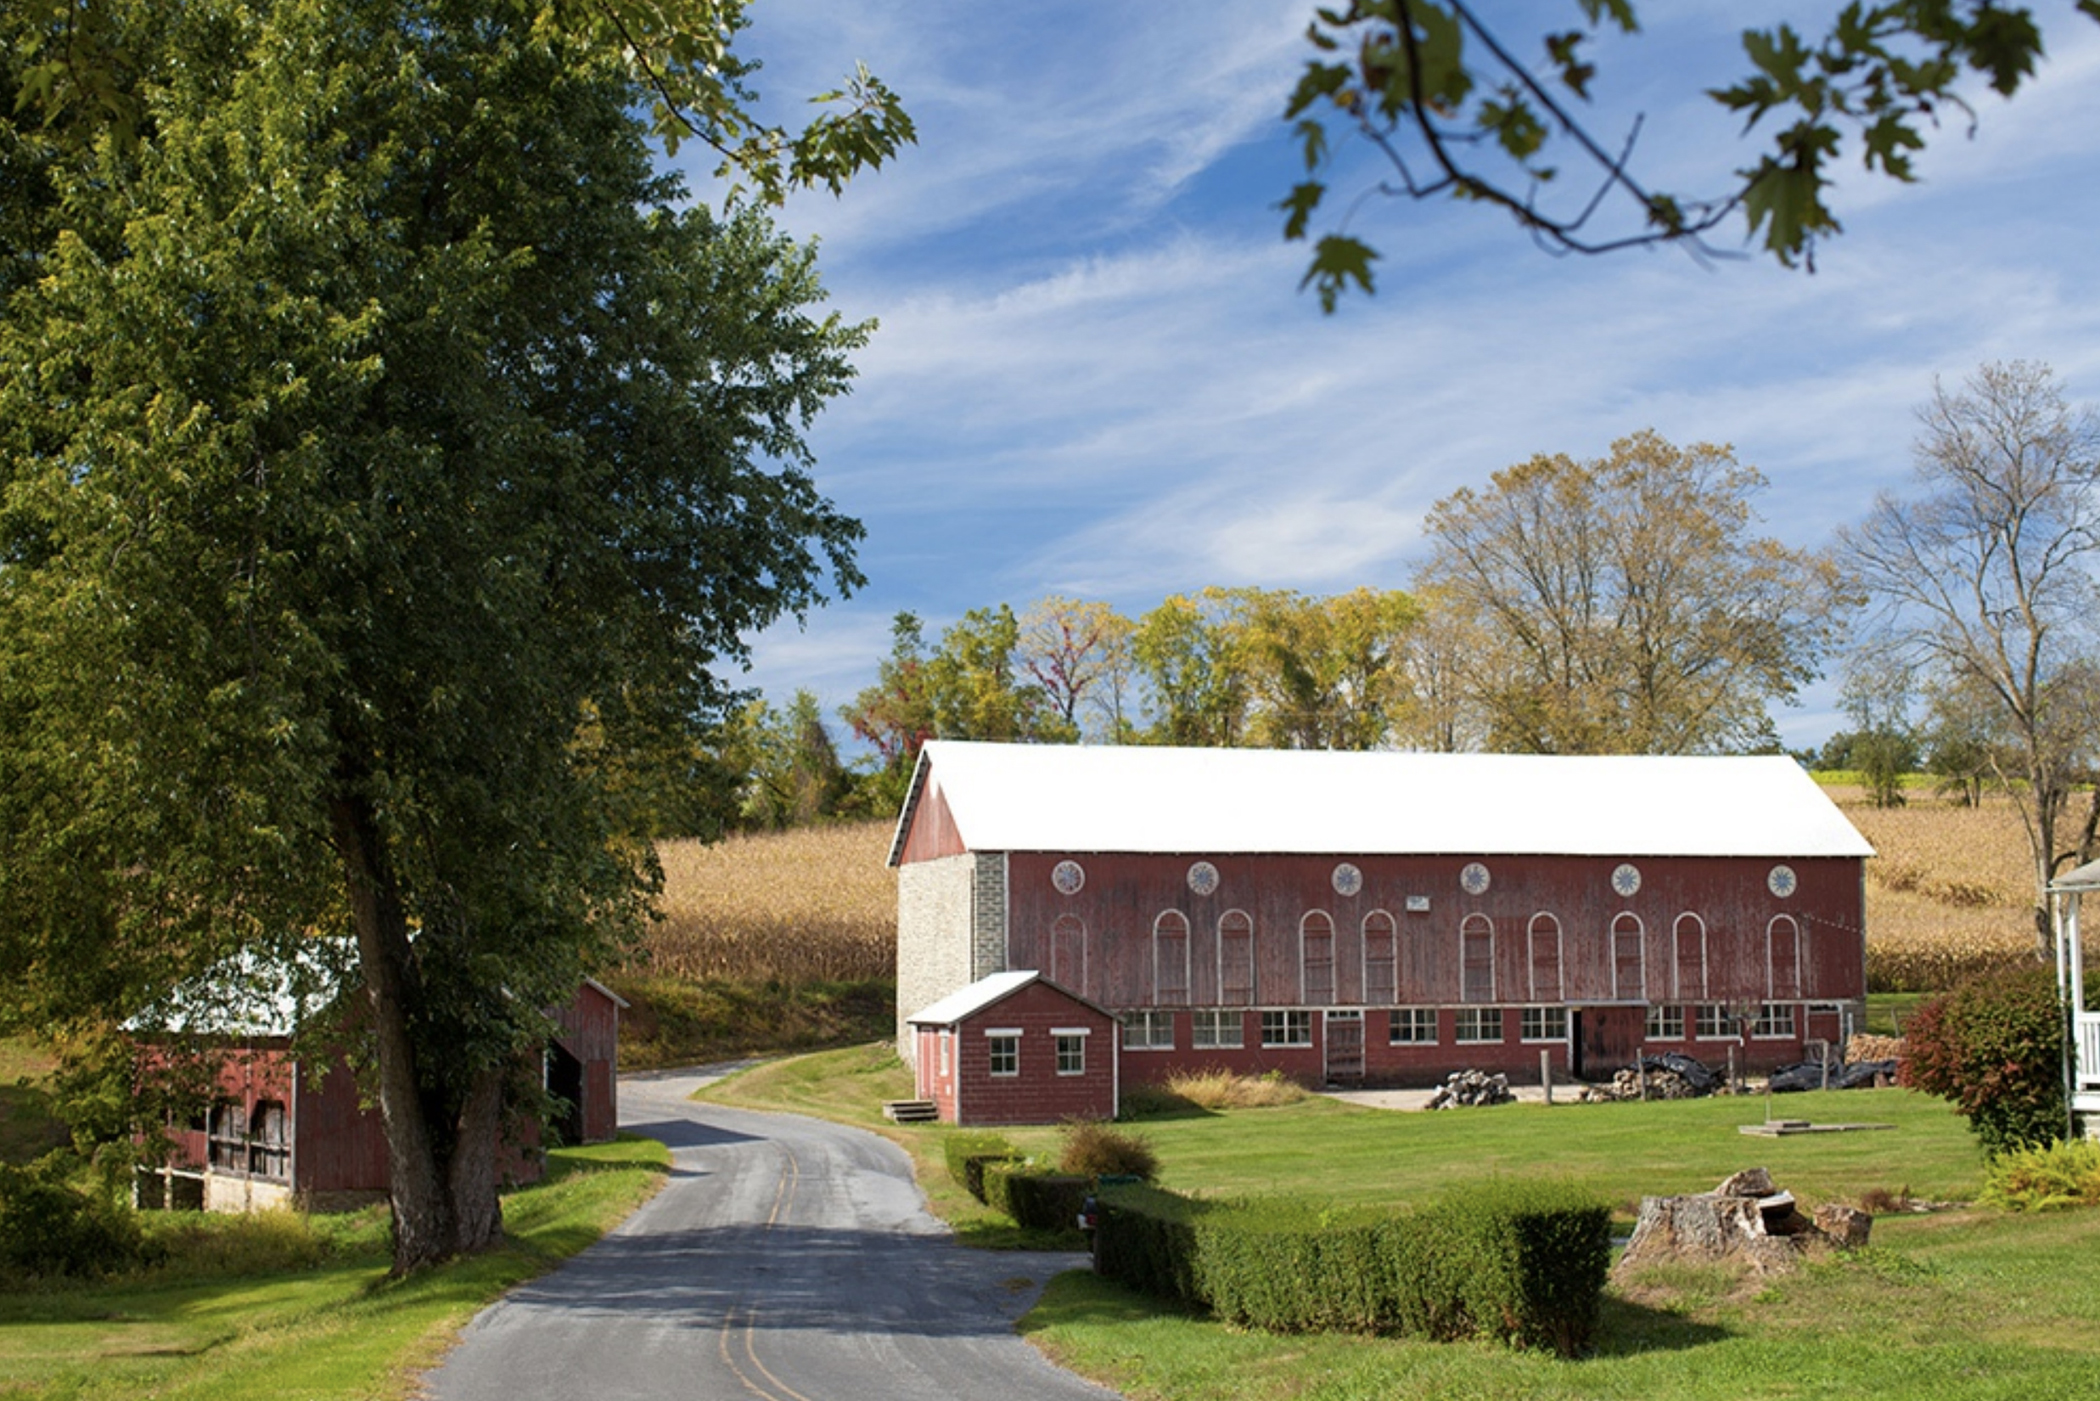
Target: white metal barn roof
{"type": "Point", "coordinates": [1027, 797]}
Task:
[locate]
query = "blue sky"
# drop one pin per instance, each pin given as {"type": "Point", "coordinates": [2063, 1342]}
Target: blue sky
{"type": "Point", "coordinates": [1095, 374]}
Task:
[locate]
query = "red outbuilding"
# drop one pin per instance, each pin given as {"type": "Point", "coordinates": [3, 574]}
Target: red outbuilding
{"type": "Point", "coordinates": [1015, 1048]}
{"type": "Point", "coordinates": [1386, 917]}
{"type": "Point", "coordinates": [284, 1130]}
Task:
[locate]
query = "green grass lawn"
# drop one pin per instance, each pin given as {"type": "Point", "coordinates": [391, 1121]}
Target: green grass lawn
{"type": "Point", "coordinates": [336, 1330]}
{"type": "Point", "coordinates": [1966, 1303]}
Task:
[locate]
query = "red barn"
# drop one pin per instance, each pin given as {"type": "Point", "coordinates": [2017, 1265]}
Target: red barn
{"type": "Point", "coordinates": [1014, 1048]}
{"type": "Point", "coordinates": [282, 1131]}
{"type": "Point", "coordinates": [1386, 917]}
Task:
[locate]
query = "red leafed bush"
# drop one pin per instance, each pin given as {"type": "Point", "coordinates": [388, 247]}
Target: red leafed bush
{"type": "Point", "coordinates": [1995, 1047]}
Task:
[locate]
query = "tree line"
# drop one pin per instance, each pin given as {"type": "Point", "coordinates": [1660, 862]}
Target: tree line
{"type": "Point", "coordinates": [1621, 605]}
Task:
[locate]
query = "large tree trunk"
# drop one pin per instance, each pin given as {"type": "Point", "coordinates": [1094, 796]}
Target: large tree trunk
{"type": "Point", "coordinates": [440, 1160]}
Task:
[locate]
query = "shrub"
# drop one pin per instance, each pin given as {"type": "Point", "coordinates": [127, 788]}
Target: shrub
{"type": "Point", "coordinates": [1995, 1047]}
{"type": "Point", "coordinates": [1036, 1201]}
{"type": "Point", "coordinates": [48, 1226]}
{"type": "Point", "coordinates": [1522, 1262]}
{"type": "Point", "coordinates": [968, 1153]}
{"type": "Point", "coordinates": [1096, 1150]}
{"type": "Point", "coordinates": [2037, 1179]}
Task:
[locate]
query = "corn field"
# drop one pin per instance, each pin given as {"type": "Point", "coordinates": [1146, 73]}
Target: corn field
{"type": "Point", "coordinates": [815, 904]}
{"type": "Point", "coordinates": [1951, 894]}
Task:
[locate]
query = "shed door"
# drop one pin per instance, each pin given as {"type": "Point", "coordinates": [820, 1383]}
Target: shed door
{"type": "Point", "coordinates": [1345, 1046]}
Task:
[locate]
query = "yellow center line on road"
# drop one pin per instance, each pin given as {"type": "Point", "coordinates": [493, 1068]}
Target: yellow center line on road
{"type": "Point", "coordinates": [783, 1199]}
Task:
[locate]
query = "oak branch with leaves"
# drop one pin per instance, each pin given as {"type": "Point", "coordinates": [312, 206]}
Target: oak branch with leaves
{"type": "Point", "coordinates": [1455, 109]}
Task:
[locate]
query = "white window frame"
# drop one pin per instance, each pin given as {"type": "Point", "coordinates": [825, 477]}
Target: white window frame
{"type": "Point", "coordinates": [1660, 1020]}
{"type": "Point", "coordinates": [1225, 989]}
{"type": "Point", "coordinates": [1156, 1029]}
{"type": "Point", "coordinates": [1389, 991]}
{"type": "Point", "coordinates": [1416, 1018]}
{"type": "Point", "coordinates": [1531, 958]}
{"type": "Point", "coordinates": [1772, 989]}
{"type": "Point", "coordinates": [1699, 1017]}
{"type": "Point", "coordinates": [1486, 1026]}
{"type": "Point", "coordinates": [1011, 1035]}
{"type": "Point", "coordinates": [1223, 1022]}
{"type": "Point", "coordinates": [1765, 1027]}
{"type": "Point", "coordinates": [1290, 1021]}
{"type": "Point", "coordinates": [1640, 940]}
{"type": "Point", "coordinates": [1305, 990]}
{"type": "Point", "coordinates": [1162, 957]}
{"type": "Point", "coordinates": [1470, 925]}
{"type": "Point", "coordinates": [1678, 990]}
{"type": "Point", "coordinates": [1070, 1039]}
{"type": "Point", "coordinates": [1541, 1015]}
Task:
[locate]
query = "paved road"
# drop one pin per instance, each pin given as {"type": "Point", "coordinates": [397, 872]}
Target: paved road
{"type": "Point", "coordinates": [787, 1260]}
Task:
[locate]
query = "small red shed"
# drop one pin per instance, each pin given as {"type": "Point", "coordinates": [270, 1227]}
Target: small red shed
{"type": "Point", "coordinates": [1015, 1048]}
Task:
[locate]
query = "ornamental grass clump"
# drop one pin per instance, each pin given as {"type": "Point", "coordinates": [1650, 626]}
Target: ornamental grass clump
{"type": "Point", "coordinates": [1096, 1150]}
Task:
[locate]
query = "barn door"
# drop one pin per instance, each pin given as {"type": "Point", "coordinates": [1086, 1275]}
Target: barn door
{"type": "Point", "coordinates": [1345, 1047]}
{"type": "Point", "coordinates": [1607, 1039]}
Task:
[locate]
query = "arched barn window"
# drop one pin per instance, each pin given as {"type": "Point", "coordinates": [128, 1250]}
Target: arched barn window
{"type": "Point", "coordinates": [1688, 983]}
{"type": "Point", "coordinates": [1629, 960]}
{"type": "Point", "coordinates": [1545, 958]}
{"type": "Point", "coordinates": [1235, 959]}
{"type": "Point", "coordinates": [1170, 958]}
{"type": "Point", "coordinates": [1476, 959]}
{"type": "Point", "coordinates": [1381, 976]}
{"type": "Point", "coordinates": [1783, 957]}
{"type": "Point", "coordinates": [1316, 947]}
{"type": "Point", "coordinates": [1068, 953]}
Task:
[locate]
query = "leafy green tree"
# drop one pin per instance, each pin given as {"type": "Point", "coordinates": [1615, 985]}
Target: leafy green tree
{"type": "Point", "coordinates": [1884, 746]}
{"type": "Point", "coordinates": [388, 458]}
{"type": "Point", "coordinates": [1985, 582]}
{"type": "Point", "coordinates": [1189, 653]}
{"type": "Point", "coordinates": [1458, 107]}
{"type": "Point", "coordinates": [1327, 673]}
{"type": "Point", "coordinates": [792, 776]}
{"type": "Point", "coordinates": [977, 689]}
{"type": "Point", "coordinates": [895, 716]}
{"type": "Point", "coordinates": [1622, 605]}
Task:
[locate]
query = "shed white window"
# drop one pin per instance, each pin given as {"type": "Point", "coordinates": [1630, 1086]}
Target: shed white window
{"type": "Point", "coordinates": [1071, 1049]}
{"type": "Point", "coordinates": [1220, 1029]}
{"type": "Point", "coordinates": [1003, 1050]}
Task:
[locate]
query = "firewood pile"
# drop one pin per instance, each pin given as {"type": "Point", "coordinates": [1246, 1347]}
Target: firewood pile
{"type": "Point", "coordinates": [1465, 1088]}
{"type": "Point", "coordinates": [1864, 1047]}
{"type": "Point", "coordinates": [1668, 1076]}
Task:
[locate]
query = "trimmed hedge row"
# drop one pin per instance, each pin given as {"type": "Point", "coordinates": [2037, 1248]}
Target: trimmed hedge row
{"type": "Point", "coordinates": [968, 1153]}
{"type": "Point", "coordinates": [1041, 1201]}
{"type": "Point", "coordinates": [1525, 1262]}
